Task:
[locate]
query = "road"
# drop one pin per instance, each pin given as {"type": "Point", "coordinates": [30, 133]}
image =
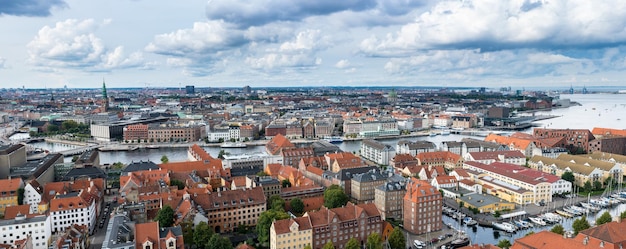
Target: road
{"type": "Point", "coordinates": [100, 232]}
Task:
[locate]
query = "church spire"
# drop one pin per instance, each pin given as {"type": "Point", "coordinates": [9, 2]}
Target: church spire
{"type": "Point", "coordinates": [105, 98]}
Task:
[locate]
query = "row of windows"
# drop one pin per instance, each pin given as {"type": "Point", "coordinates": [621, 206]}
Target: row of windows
{"type": "Point", "coordinates": [23, 226]}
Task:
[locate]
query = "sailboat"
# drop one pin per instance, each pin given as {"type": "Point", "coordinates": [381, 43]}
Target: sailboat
{"type": "Point", "coordinates": [461, 239]}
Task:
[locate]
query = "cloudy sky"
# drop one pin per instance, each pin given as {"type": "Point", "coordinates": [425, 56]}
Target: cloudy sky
{"type": "Point", "coordinates": [216, 43]}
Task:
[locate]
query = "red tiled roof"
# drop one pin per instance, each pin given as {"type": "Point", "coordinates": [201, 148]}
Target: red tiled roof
{"type": "Point", "coordinates": [283, 226]}
{"type": "Point", "coordinates": [10, 186]}
{"type": "Point", "coordinates": [12, 211]}
{"type": "Point", "coordinates": [277, 143]}
{"type": "Point", "coordinates": [147, 232]}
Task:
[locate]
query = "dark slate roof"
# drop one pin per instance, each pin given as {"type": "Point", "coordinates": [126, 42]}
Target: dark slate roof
{"type": "Point", "coordinates": [246, 171]}
{"type": "Point", "coordinates": [392, 186]}
{"type": "Point", "coordinates": [177, 231]}
{"type": "Point", "coordinates": [139, 166]}
{"type": "Point", "coordinates": [347, 174]}
{"type": "Point", "coordinates": [91, 172]}
{"type": "Point", "coordinates": [369, 176]}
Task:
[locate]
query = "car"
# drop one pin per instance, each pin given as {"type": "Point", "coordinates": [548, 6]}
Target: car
{"type": "Point", "coordinates": [419, 244]}
{"type": "Point", "coordinates": [442, 237]}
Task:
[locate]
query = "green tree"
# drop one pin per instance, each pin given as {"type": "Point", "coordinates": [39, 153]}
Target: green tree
{"type": "Point", "coordinates": [374, 241]}
{"type": "Point", "coordinates": [187, 227]}
{"type": "Point", "coordinates": [74, 158]}
{"type": "Point", "coordinates": [276, 203]}
{"type": "Point", "coordinates": [221, 154]}
{"type": "Point", "coordinates": [622, 215]}
{"type": "Point", "coordinates": [118, 165]}
{"type": "Point", "coordinates": [353, 244]}
{"type": "Point", "coordinates": [201, 234]}
{"type": "Point", "coordinates": [286, 183]}
{"type": "Point", "coordinates": [568, 176]}
{"type": "Point", "coordinates": [329, 245]}
{"type": "Point", "coordinates": [308, 246]}
{"type": "Point", "coordinates": [580, 224]}
{"type": "Point", "coordinates": [53, 128]}
{"type": "Point", "coordinates": [597, 185]}
{"type": "Point", "coordinates": [505, 243]}
{"type": "Point", "coordinates": [165, 216]}
{"type": "Point", "coordinates": [265, 222]}
{"type": "Point", "coordinates": [334, 196]}
{"type": "Point", "coordinates": [218, 242]}
{"type": "Point", "coordinates": [461, 205]}
{"type": "Point", "coordinates": [68, 125]}
{"type": "Point", "coordinates": [558, 229]}
{"type": "Point", "coordinates": [297, 206]}
{"type": "Point", "coordinates": [604, 218]}
{"type": "Point", "coordinates": [396, 239]}
{"type": "Point", "coordinates": [177, 183]}
{"type": "Point", "coordinates": [20, 196]}
{"type": "Point", "coordinates": [164, 159]}
{"type": "Point", "coordinates": [262, 173]}
{"type": "Point", "coordinates": [587, 186]}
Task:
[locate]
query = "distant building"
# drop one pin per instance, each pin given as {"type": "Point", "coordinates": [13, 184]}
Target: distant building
{"type": "Point", "coordinates": [364, 185]}
{"type": "Point", "coordinates": [413, 148]}
{"type": "Point", "coordinates": [247, 90]}
{"type": "Point", "coordinates": [291, 233]}
{"type": "Point", "coordinates": [377, 152]}
{"type": "Point", "coordinates": [422, 207]}
{"type": "Point", "coordinates": [190, 89]}
{"type": "Point", "coordinates": [230, 209]}
{"type": "Point", "coordinates": [22, 226]}
{"type": "Point", "coordinates": [498, 112]}
{"type": "Point", "coordinates": [577, 139]}
{"type": "Point", "coordinates": [338, 225]}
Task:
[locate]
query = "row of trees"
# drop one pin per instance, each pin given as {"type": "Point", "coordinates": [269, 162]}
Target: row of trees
{"type": "Point", "coordinates": [588, 185]}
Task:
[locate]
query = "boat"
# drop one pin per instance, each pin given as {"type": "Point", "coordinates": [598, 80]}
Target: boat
{"type": "Point", "coordinates": [564, 213]}
{"type": "Point", "coordinates": [469, 221]}
{"type": "Point", "coordinates": [504, 227]}
{"type": "Point", "coordinates": [523, 223]}
{"type": "Point", "coordinates": [445, 132]}
{"type": "Point", "coordinates": [432, 134]}
{"type": "Point", "coordinates": [552, 218]}
{"type": "Point", "coordinates": [537, 220]}
{"type": "Point", "coordinates": [589, 207]}
{"type": "Point", "coordinates": [334, 140]}
{"type": "Point", "coordinates": [461, 241]}
{"type": "Point", "coordinates": [233, 145]}
{"type": "Point", "coordinates": [572, 211]}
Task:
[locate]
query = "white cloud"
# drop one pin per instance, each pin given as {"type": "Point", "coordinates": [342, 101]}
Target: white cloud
{"type": "Point", "coordinates": [73, 44]}
{"type": "Point", "coordinates": [497, 24]}
{"type": "Point", "coordinates": [548, 58]}
{"type": "Point", "coordinates": [342, 64]}
{"type": "Point", "coordinates": [301, 52]}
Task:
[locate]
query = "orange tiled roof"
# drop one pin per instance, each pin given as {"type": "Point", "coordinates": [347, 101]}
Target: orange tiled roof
{"type": "Point", "coordinates": [518, 143]}
{"type": "Point", "coordinates": [417, 188]}
{"type": "Point", "coordinates": [200, 152]}
{"type": "Point", "coordinates": [12, 211]}
{"type": "Point", "coordinates": [147, 232]}
{"type": "Point", "coordinates": [612, 232]}
{"type": "Point", "coordinates": [608, 132]}
{"type": "Point", "coordinates": [277, 143]}
{"type": "Point", "coordinates": [11, 185]}
{"type": "Point", "coordinates": [244, 246]}
{"type": "Point", "coordinates": [437, 156]}
{"type": "Point", "coordinates": [548, 240]}
{"type": "Point", "coordinates": [282, 226]}
{"type": "Point", "coordinates": [481, 246]}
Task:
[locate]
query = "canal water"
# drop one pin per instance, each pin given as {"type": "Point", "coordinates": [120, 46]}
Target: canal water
{"type": "Point", "coordinates": [487, 235]}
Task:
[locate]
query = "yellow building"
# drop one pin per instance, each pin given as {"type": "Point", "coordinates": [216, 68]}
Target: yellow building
{"type": "Point", "coordinates": [485, 203]}
{"type": "Point", "coordinates": [9, 192]}
{"type": "Point", "coordinates": [291, 233]}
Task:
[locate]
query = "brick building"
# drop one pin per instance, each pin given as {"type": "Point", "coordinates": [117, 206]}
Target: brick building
{"type": "Point", "coordinates": [577, 140]}
{"type": "Point", "coordinates": [422, 207]}
{"type": "Point", "coordinates": [338, 225]}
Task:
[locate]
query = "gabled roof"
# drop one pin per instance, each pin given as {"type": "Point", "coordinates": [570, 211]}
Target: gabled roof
{"type": "Point", "coordinates": [612, 232]}
{"type": "Point", "coordinates": [10, 186]}
{"type": "Point", "coordinates": [495, 155]}
{"type": "Point", "coordinates": [147, 232]}
{"type": "Point", "coordinates": [277, 143]}
{"type": "Point", "coordinates": [585, 160]}
{"type": "Point", "coordinates": [437, 156]}
{"type": "Point", "coordinates": [284, 226]}
{"type": "Point", "coordinates": [574, 167]}
{"type": "Point", "coordinates": [13, 211]}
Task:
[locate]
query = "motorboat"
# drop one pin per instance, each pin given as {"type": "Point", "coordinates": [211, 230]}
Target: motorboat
{"type": "Point", "coordinates": [537, 220]}
{"type": "Point", "coordinates": [523, 223]}
{"type": "Point", "coordinates": [590, 207]}
{"type": "Point", "coordinates": [445, 132]}
{"type": "Point", "coordinates": [469, 221]}
{"type": "Point", "coordinates": [552, 217]}
{"type": "Point", "coordinates": [233, 145]}
{"type": "Point", "coordinates": [509, 228]}
{"type": "Point", "coordinates": [564, 213]}
{"type": "Point", "coordinates": [572, 211]}
{"type": "Point", "coordinates": [334, 140]}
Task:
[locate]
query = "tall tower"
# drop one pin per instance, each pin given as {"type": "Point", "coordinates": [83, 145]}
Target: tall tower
{"type": "Point", "coordinates": [105, 98]}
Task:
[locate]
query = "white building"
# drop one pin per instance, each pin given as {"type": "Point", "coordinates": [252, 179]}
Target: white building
{"type": "Point", "coordinates": [37, 227]}
{"type": "Point", "coordinates": [32, 195]}
{"type": "Point", "coordinates": [73, 208]}
{"type": "Point", "coordinates": [377, 152]}
{"type": "Point", "coordinates": [234, 132]}
{"type": "Point", "coordinates": [487, 157]}
{"type": "Point", "coordinates": [216, 134]}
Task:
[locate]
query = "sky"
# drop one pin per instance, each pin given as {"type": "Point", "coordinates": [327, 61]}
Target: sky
{"type": "Point", "coordinates": [273, 43]}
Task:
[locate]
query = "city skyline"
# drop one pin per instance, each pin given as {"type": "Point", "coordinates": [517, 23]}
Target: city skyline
{"type": "Point", "coordinates": [279, 43]}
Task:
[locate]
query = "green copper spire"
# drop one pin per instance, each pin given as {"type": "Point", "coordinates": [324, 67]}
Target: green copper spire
{"type": "Point", "coordinates": [104, 90]}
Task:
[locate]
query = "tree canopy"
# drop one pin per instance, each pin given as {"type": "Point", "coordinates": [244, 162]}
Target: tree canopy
{"type": "Point", "coordinates": [165, 216]}
{"type": "Point", "coordinates": [265, 222]}
{"type": "Point", "coordinates": [580, 224]}
{"type": "Point", "coordinates": [164, 159]}
{"type": "Point", "coordinates": [604, 218]}
{"type": "Point", "coordinates": [297, 206]}
{"type": "Point", "coordinates": [568, 176]}
{"type": "Point", "coordinates": [179, 184]}
{"type": "Point", "coordinates": [201, 234]}
{"type": "Point", "coordinates": [622, 215]}
{"type": "Point", "coordinates": [396, 239]}
{"type": "Point", "coordinates": [558, 229]}
{"type": "Point", "coordinates": [218, 242]}
{"type": "Point", "coordinates": [329, 245]}
{"type": "Point", "coordinates": [276, 202]}
{"type": "Point", "coordinates": [374, 241]}
{"type": "Point", "coordinates": [353, 244]}
{"type": "Point", "coordinates": [505, 243]}
{"type": "Point", "coordinates": [334, 196]}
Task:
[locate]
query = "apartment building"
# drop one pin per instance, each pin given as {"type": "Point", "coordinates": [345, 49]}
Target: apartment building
{"type": "Point", "coordinates": [443, 159]}
{"type": "Point", "coordinates": [377, 152]}
{"type": "Point", "coordinates": [71, 208]}
{"type": "Point", "coordinates": [487, 157]}
{"type": "Point", "coordinates": [338, 225]}
{"type": "Point", "coordinates": [557, 167]}
{"type": "Point", "coordinates": [169, 133]}
{"type": "Point", "coordinates": [11, 156]}
{"type": "Point", "coordinates": [364, 185]}
{"type": "Point", "coordinates": [422, 205]}
{"type": "Point", "coordinates": [135, 132]}
{"type": "Point", "coordinates": [414, 148]}
{"type": "Point", "coordinates": [228, 209]}
{"type": "Point", "coordinates": [609, 169]}
{"type": "Point", "coordinates": [291, 233]}
{"type": "Point", "coordinates": [22, 226]}
{"type": "Point", "coordinates": [9, 192]}
{"type": "Point", "coordinates": [389, 199]}
{"type": "Point", "coordinates": [522, 185]}
{"type": "Point", "coordinates": [292, 156]}
{"type": "Point", "coordinates": [577, 140]}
